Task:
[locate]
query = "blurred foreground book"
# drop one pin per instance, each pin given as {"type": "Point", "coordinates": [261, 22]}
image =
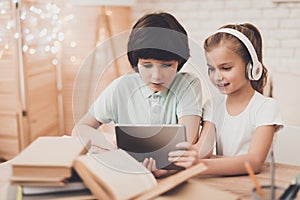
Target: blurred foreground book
{"type": "Point", "coordinates": [116, 175]}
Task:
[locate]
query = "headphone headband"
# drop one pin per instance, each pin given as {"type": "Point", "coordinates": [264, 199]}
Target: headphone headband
{"type": "Point", "coordinates": [257, 66]}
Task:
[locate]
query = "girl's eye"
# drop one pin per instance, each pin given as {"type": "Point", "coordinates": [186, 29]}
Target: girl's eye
{"type": "Point", "coordinates": [227, 68]}
{"type": "Point", "coordinates": [166, 65]}
{"type": "Point", "coordinates": [210, 69]}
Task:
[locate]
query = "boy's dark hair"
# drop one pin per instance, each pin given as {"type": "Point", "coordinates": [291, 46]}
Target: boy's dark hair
{"type": "Point", "coordinates": [158, 36]}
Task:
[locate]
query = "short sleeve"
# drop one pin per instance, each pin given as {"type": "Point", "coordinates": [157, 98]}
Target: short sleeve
{"type": "Point", "coordinates": [191, 99]}
{"type": "Point", "coordinates": [103, 108]}
{"type": "Point", "coordinates": [208, 111]}
{"type": "Point", "coordinates": [269, 114]}
{"type": "Point", "coordinates": [213, 109]}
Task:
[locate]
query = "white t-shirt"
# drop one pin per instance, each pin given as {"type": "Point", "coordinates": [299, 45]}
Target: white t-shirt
{"type": "Point", "coordinates": [234, 133]}
{"type": "Point", "coordinates": [128, 100]}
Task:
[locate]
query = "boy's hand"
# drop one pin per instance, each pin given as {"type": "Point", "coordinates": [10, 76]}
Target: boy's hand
{"type": "Point", "coordinates": [184, 158]}
{"type": "Point", "coordinates": [150, 163]}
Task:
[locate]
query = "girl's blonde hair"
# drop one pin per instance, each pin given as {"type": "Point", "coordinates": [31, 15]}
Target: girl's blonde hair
{"type": "Point", "coordinates": [234, 44]}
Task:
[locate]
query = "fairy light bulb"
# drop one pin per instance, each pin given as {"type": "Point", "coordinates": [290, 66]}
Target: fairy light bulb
{"type": "Point", "coordinates": [73, 44]}
{"type": "Point", "coordinates": [32, 51]}
{"type": "Point", "coordinates": [47, 48]}
{"type": "Point", "coordinates": [72, 59]}
{"type": "Point", "coordinates": [54, 61]}
{"type": "Point", "coordinates": [61, 36]}
{"type": "Point", "coordinates": [25, 48]}
{"type": "Point", "coordinates": [16, 35]}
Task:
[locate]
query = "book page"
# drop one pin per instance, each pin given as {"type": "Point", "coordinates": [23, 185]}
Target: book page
{"type": "Point", "coordinates": [51, 151]}
{"type": "Point", "coordinates": [124, 176]}
{"type": "Point", "coordinates": [73, 186]}
{"type": "Point", "coordinates": [172, 181]}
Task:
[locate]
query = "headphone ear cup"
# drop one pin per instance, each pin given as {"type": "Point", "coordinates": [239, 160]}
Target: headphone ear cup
{"type": "Point", "coordinates": [249, 69]}
{"type": "Point", "coordinates": [254, 73]}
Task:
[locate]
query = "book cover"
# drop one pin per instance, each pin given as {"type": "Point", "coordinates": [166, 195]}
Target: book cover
{"type": "Point", "coordinates": [15, 193]}
{"type": "Point", "coordinates": [48, 157]}
{"type": "Point", "coordinates": [74, 183]}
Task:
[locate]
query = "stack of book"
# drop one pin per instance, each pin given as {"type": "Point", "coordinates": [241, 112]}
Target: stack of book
{"type": "Point", "coordinates": [46, 167]}
{"type": "Point", "coordinates": [43, 171]}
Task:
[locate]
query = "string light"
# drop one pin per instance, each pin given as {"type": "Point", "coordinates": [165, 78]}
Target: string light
{"type": "Point", "coordinates": [46, 37]}
{"type": "Point", "coordinates": [41, 28]}
{"type": "Point", "coordinates": [6, 29]}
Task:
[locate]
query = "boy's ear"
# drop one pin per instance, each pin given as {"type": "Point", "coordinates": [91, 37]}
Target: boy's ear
{"type": "Point", "coordinates": [136, 69]}
{"type": "Point", "coordinates": [180, 65]}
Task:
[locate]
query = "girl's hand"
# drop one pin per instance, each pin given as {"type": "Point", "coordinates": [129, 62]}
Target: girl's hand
{"type": "Point", "coordinates": [150, 163]}
{"type": "Point", "coordinates": [184, 158]}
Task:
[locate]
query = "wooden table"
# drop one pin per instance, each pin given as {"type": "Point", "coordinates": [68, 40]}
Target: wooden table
{"type": "Point", "coordinates": [242, 185]}
{"type": "Point", "coordinates": [238, 185]}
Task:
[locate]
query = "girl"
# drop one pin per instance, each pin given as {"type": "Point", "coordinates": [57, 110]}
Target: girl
{"type": "Point", "coordinates": [244, 121]}
{"type": "Point", "coordinates": [156, 92]}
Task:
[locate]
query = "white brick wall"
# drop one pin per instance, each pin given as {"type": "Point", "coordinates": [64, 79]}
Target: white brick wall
{"type": "Point", "coordinates": [279, 23]}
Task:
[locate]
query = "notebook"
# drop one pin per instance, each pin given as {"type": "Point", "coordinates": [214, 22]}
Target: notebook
{"type": "Point", "coordinates": [155, 141]}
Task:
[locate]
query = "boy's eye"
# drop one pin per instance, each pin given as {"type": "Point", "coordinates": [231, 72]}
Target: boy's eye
{"type": "Point", "coordinates": [147, 65]}
{"type": "Point", "coordinates": [166, 65]}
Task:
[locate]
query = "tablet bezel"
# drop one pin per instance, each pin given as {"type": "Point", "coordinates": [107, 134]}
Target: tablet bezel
{"type": "Point", "coordinates": [139, 147]}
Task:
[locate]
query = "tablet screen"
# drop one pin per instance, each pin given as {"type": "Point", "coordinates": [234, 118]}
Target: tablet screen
{"type": "Point", "coordinates": [155, 141]}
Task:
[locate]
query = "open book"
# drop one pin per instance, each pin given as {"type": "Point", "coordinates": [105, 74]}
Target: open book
{"type": "Point", "coordinates": [116, 175]}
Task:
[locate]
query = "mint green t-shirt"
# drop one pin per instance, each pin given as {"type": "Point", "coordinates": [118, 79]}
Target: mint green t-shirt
{"type": "Point", "coordinates": [128, 100]}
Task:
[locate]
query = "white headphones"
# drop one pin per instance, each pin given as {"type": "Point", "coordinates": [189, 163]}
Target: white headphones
{"type": "Point", "coordinates": [254, 70]}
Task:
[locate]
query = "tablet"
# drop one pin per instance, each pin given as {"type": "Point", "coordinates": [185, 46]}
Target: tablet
{"type": "Point", "coordinates": [155, 141]}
